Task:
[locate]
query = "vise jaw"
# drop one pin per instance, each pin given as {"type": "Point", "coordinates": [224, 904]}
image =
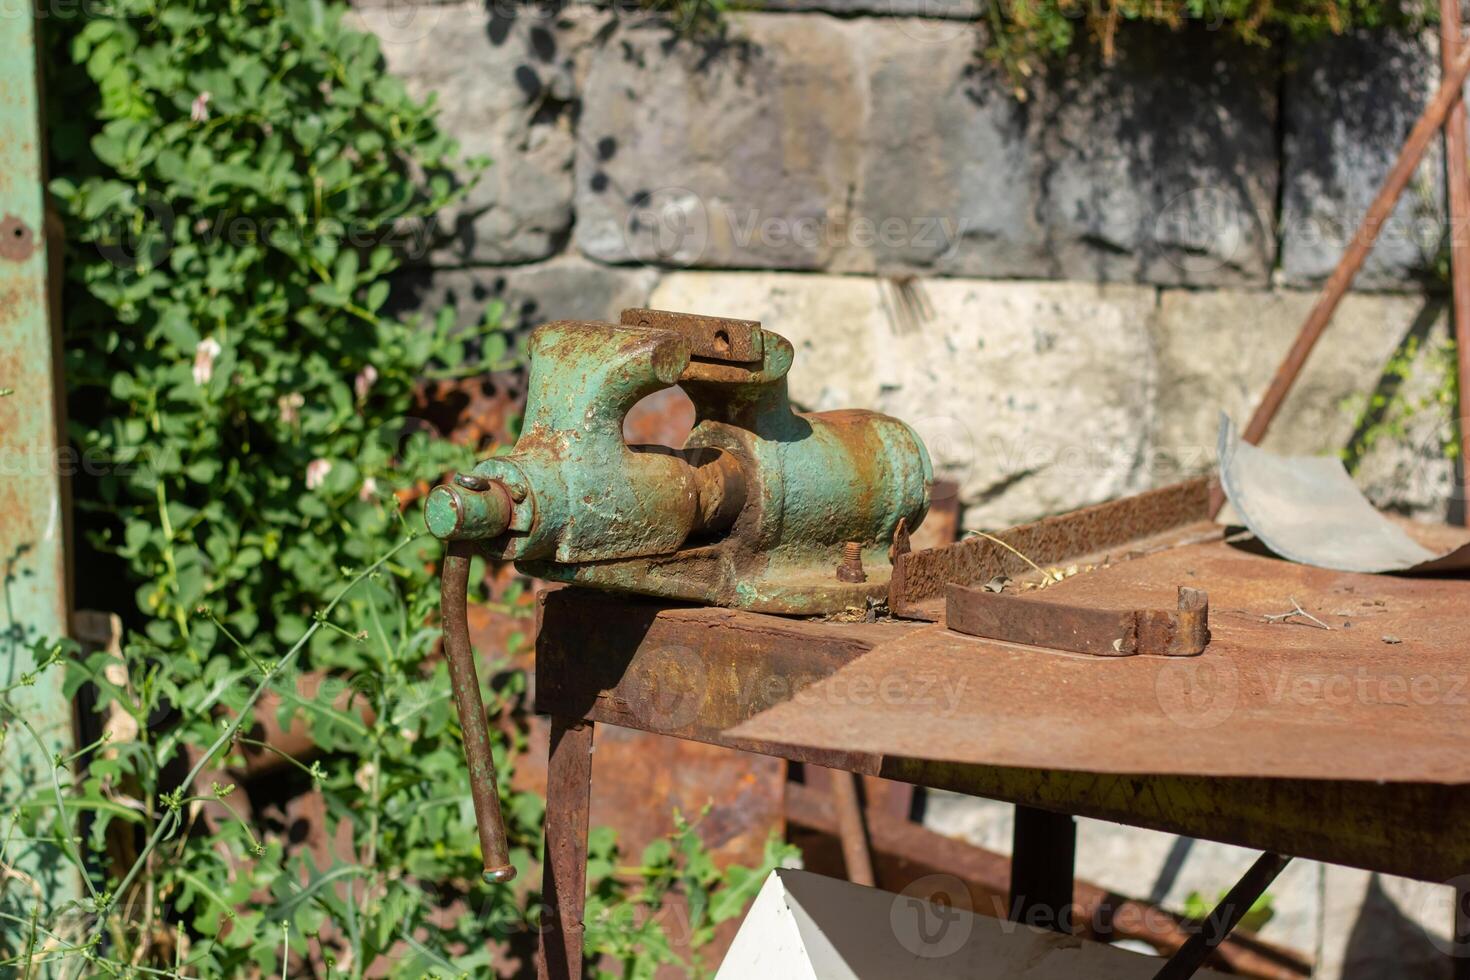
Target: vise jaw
{"type": "Point", "coordinates": [760, 508]}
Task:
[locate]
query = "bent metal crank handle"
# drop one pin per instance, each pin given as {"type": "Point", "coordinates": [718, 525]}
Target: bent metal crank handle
{"type": "Point", "coordinates": [454, 610]}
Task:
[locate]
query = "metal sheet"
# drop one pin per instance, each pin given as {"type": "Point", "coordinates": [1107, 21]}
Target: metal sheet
{"type": "Point", "coordinates": [32, 502]}
{"type": "Point", "coordinates": [1115, 529]}
{"type": "Point", "coordinates": [704, 673]}
{"type": "Point", "coordinates": [1386, 698]}
{"type": "Point", "coordinates": [688, 671]}
{"type": "Point", "coordinates": [1307, 509]}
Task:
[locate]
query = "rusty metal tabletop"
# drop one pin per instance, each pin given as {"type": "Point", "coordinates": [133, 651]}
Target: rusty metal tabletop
{"type": "Point", "coordinates": [1378, 691]}
{"type": "Point", "coordinates": [1349, 744]}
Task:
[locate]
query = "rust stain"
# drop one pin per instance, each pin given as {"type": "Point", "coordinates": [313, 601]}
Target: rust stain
{"type": "Point", "coordinates": [17, 239]}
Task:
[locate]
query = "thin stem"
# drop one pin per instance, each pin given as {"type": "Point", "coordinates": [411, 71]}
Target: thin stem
{"type": "Point", "coordinates": [73, 853]}
{"type": "Point", "coordinates": [1296, 610]}
{"type": "Point", "coordinates": [990, 537]}
{"type": "Point", "coordinates": [180, 616]}
{"type": "Point", "coordinates": [284, 756]}
{"type": "Point", "coordinates": [219, 624]}
{"type": "Point", "coordinates": [231, 730]}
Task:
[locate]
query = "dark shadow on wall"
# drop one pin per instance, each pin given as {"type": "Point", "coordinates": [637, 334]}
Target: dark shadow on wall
{"type": "Point", "coordinates": [1141, 117]}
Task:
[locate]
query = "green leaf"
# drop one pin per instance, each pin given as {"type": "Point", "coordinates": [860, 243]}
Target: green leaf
{"type": "Point", "coordinates": [377, 295]}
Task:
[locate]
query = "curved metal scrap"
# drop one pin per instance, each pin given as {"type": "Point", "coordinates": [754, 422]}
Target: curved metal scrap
{"type": "Point", "coordinates": [1307, 509]}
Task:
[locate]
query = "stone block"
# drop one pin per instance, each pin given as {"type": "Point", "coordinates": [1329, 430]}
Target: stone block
{"type": "Point", "coordinates": [506, 81]}
{"type": "Point", "coordinates": [963, 10]}
{"type": "Point", "coordinates": [1035, 397]}
{"type": "Point", "coordinates": [804, 142]}
{"type": "Point", "coordinates": [951, 174]}
{"type": "Point", "coordinates": [1347, 107]}
{"type": "Point", "coordinates": [1163, 167]}
{"type": "Point", "coordinates": [732, 153]}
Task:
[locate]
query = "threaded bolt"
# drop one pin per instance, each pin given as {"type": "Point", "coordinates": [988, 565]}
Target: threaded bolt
{"type": "Point", "coordinates": [850, 569]}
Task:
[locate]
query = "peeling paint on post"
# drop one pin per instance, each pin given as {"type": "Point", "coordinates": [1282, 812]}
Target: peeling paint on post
{"type": "Point", "coordinates": [32, 505]}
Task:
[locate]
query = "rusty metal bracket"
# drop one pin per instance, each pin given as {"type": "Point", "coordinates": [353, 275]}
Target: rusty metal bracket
{"type": "Point", "coordinates": [714, 338]}
{"type": "Point", "coordinates": [1132, 525]}
{"type": "Point", "coordinates": [1184, 632]}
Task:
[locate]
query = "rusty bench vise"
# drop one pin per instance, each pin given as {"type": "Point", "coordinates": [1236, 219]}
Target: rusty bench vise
{"type": "Point", "coordinates": [764, 508]}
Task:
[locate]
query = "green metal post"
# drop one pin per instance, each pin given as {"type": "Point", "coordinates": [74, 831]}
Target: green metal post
{"type": "Point", "coordinates": [33, 513]}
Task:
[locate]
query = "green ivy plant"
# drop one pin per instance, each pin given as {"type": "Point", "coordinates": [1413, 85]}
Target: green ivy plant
{"type": "Point", "coordinates": [1024, 34]}
{"type": "Point", "coordinates": [217, 895]}
{"type": "Point", "coordinates": [619, 924]}
{"type": "Point", "coordinates": [1389, 411]}
{"type": "Point", "coordinates": [237, 182]}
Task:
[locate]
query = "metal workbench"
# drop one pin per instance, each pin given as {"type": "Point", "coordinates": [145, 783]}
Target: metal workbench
{"type": "Point", "coordinates": [1345, 740]}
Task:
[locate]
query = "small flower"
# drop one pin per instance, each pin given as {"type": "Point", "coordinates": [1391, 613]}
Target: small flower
{"type": "Point", "coordinates": [369, 489]}
{"type": "Point", "coordinates": [363, 383]}
{"type": "Point", "coordinates": [199, 110]}
{"type": "Point", "coordinates": [204, 354]}
{"type": "Point", "coordinates": [316, 473]}
{"type": "Point", "coordinates": [290, 407]}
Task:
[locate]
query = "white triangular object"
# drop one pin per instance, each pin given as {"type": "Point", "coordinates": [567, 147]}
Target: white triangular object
{"type": "Point", "coordinates": [804, 926]}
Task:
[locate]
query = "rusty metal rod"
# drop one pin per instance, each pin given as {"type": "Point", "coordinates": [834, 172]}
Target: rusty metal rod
{"type": "Point", "coordinates": [559, 948]}
{"type": "Point", "coordinates": [1362, 242]}
{"type": "Point", "coordinates": [1225, 917]}
{"type": "Point", "coordinates": [454, 611]}
{"type": "Point", "coordinates": [1457, 177]}
{"type": "Point", "coordinates": [851, 829]}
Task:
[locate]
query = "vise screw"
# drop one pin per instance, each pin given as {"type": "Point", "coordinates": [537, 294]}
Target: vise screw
{"type": "Point", "coordinates": [764, 508]}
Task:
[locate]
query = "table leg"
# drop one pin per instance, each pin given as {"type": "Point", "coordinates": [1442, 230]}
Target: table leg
{"type": "Point", "coordinates": [852, 829]}
{"type": "Point", "coordinates": [564, 867]}
{"type": "Point", "coordinates": [1043, 850]}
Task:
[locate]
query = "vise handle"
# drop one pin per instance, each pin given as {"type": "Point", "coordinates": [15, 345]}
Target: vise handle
{"type": "Point", "coordinates": [454, 610]}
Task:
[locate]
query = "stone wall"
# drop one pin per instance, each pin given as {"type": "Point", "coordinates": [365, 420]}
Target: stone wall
{"type": "Point", "coordinates": [1060, 292]}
